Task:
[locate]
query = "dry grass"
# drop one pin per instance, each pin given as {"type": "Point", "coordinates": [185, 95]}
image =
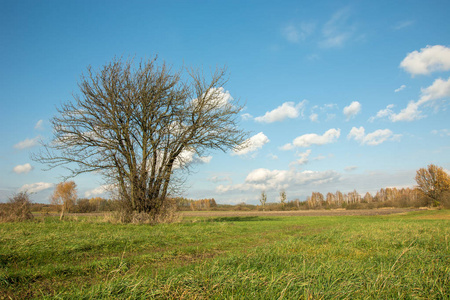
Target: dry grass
{"type": "Point", "coordinates": [312, 213]}
{"type": "Point", "coordinates": [17, 209]}
{"type": "Point", "coordinates": [168, 214]}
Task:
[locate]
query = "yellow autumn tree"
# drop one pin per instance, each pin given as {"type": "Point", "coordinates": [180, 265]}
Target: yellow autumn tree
{"type": "Point", "coordinates": [433, 182]}
{"type": "Point", "coordinates": [65, 195]}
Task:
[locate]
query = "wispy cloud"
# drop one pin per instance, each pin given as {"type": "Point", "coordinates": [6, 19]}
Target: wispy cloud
{"type": "Point", "coordinates": [303, 158]}
{"type": "Point", "coordinates": [27, 143]}
{"type": "Point", "coordinates": [403, 24]}
{"type": "Point", "coordinates": [438, 90]}
{"type": "Point", "coordinates": [441, 132]}
{"type": "Point", "coordinates": [337, 31]}
{"type": "Point", "coordinates": [36, 187]}
{"type": "Point", "coordinates": [39, 125]}
{"type": "Point", "coordinates": [314, 117]}
{"type": "Point", "coordinates": [296, 33]}
{"type": "Point", "coordinates": [350, 168]}
{"type": "Point", "coordinates": [401, 88]}
{"type": "Point", "coordinates": [383, 113]}
{"type": "Point", "coordinates": [217, 179]}
{"type": "Point", "coordinates": [246, 116]}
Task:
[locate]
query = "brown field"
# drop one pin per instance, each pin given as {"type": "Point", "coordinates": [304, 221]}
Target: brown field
{"type": "Point", "coordinates": [312, 213]}
{"type": "Point", "coordinates": [255, 213]}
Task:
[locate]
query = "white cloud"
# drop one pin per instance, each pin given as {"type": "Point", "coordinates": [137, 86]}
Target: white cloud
{"type": "Point", "coordinates": [306, 140]}
{"type": "Point", "coordinates": [23, 168]}
{"type": "Point", "coordinates": [188, 157]}
{"type": "Point", "coordinates": [246, 116]}
{"type": "Point", "coordinates": [352, 110]}
{"type": "Point", "coordinates": [287, 147]}
{"type": "Point", "coordinates": [205, 159]}
{"type": "Point", "coordinates": [27, 143]}
{"type": "Point", "coordinates": [383, 113]}
{"type": "Point", "coordinates": [303, 158]}
{"type": "Point", "coordinates": [401, 88]}
{"type": "Point", "coordinates": [265, 179]}
{"type": "Point", "coordinates": [438, 90]}
{"type": "Point", "coordinates": [99, 190]}
{"type": "Point", "coordinates": [218, 97]}
{"type": "Point", "coordinates": [317, 110]}
{"type": "Point", "coordinates": [314, 117]}
{"type": "Point", "coordinates": [428, 60]}
{"type": "Point", "coordinates": [286, 110]}
{"type": "Point", "coordinates": [39, 125]}
{"type": "Point", "coordinates": [36, 187]}
{"type": "Point", "coordinates": [410, 113]}
{"type": "Point", "coordinates": [252, 144]}
{"type": "Point", "coordinates": [372, 139]}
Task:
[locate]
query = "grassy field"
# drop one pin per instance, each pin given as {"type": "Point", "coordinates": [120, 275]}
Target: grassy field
{"type": "Point", "coordinates": [401, 256]}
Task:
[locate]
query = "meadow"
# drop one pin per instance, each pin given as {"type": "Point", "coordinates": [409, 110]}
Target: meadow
{"type": "Point", "coordinates": [398, 256]}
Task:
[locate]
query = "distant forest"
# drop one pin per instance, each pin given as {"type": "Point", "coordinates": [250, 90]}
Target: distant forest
{"type": "Point", "coordinates": [389, 197]}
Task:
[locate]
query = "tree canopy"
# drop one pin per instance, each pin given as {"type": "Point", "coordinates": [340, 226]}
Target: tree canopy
{"type": "Point", "coordinates": [65, 195]}
{"type": "Point", "coordinates": [140, 123]}
{"type": "Point", "coordinates": [433, 182]}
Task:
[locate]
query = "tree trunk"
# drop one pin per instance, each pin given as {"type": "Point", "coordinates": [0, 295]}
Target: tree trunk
{"type": "Point", "coordinates": [62, 213]}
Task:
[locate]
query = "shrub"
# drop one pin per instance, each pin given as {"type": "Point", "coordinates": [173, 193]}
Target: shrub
{"type": "Point", "coordinates": [17, 209]}
{"type": "Point", "coordinates": [167, 214]}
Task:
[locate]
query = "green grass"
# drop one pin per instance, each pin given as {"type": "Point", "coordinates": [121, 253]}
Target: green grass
{"type": "Point", "coordinates": [372, 257]}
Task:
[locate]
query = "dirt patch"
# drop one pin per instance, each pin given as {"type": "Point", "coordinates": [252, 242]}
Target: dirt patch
{"type": "Point", "coordinates": [303, 213]}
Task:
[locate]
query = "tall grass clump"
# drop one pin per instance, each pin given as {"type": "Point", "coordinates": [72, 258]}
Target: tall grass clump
{"type": "Point", "coordinates": [18, 208]}
{"type": "Point", "coordinates": [123, 214]}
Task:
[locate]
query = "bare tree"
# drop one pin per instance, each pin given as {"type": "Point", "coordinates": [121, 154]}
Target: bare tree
{"type": "Point", "coordinates": [140, 125]}
{"type": "Point", "coordinates": [64, 195]}
{"type": "Point", "coordinates": [283, 198]}
{"type": "Point", "coordinates": [263, 200]}
{"type": "Point", "coordinates": [368, 198]}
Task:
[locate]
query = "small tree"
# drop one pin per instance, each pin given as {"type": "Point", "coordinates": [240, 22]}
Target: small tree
{"type": "Point", "coordinates": [433, 182]}
{"type": "Point", "coordinates": [263, 200]}
{"type": "Point", "coordinates": [65, 195]}
{"type": "Point", "coordinates": [283, 198]}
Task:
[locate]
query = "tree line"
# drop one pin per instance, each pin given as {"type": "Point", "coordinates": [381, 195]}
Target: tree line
{"type": "Point", "coordinates": [433, 189]}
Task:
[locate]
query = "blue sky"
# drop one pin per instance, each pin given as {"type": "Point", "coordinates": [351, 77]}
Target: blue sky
{"type": "Point", "coordinates": [338, 95]}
